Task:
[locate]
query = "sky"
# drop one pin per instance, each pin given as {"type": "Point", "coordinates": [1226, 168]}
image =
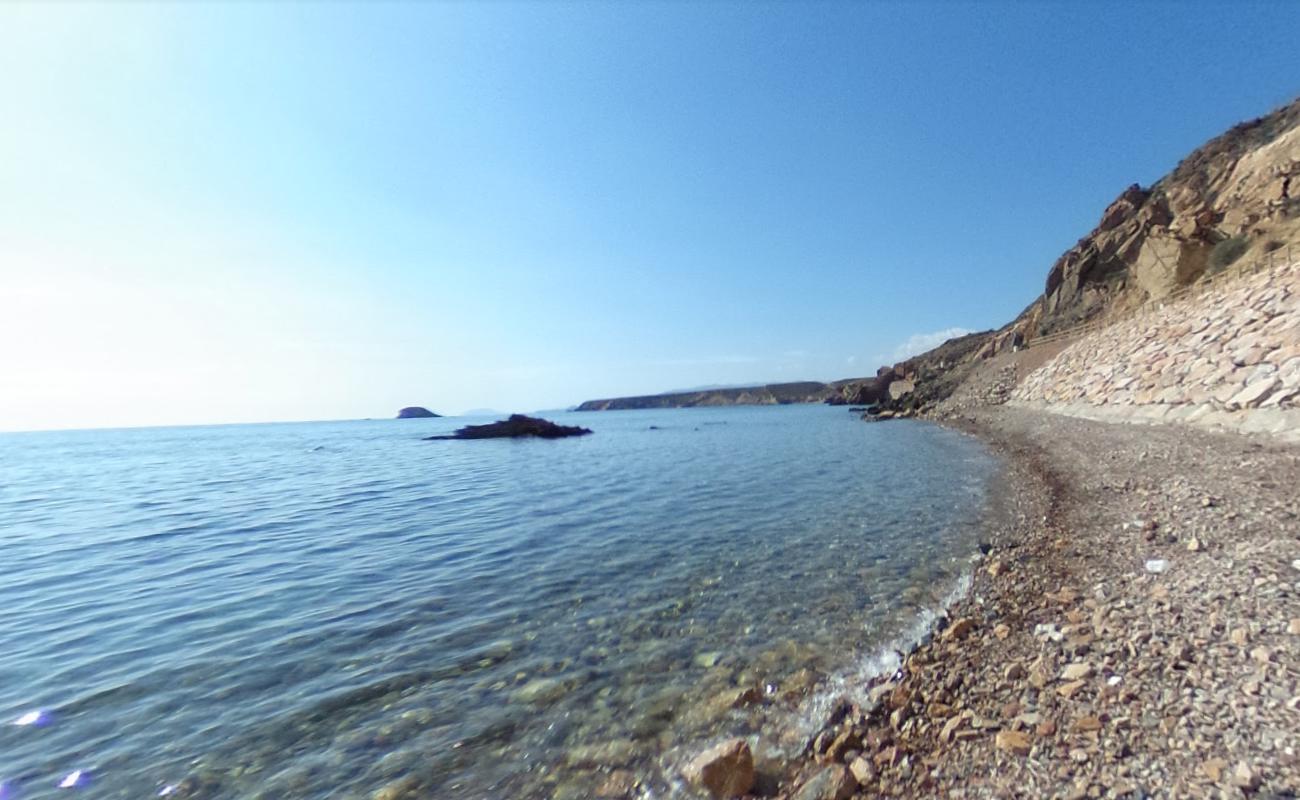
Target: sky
{"type": "Point", "coordinates": [297, 211]}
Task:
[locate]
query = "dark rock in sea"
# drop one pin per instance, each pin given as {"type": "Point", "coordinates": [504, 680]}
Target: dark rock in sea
{"type": "Point", "coordinates": [416, 412]}
{"type": "Point", "coordinates": [516, 426]}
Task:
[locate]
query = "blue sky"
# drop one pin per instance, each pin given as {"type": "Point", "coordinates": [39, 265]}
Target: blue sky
{"type": "Point", "coordinates": [222, 213]}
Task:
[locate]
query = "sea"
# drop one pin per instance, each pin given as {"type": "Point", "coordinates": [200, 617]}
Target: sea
{"type": "Point", "coordinates": [345, 610]}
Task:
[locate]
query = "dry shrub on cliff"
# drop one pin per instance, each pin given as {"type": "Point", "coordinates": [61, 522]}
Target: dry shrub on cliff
{"type": "Point", "coordinates": [1226, 252]}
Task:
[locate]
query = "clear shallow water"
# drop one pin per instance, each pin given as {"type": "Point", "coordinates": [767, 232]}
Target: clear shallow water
{"type": "Point", "coordinates": [334, 609]}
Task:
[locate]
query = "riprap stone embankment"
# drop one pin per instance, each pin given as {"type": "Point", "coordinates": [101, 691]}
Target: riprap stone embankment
{"type": "Point", "coordinates": [1227, 358]}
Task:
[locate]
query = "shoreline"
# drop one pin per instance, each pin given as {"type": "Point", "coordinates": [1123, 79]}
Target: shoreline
{"type": "Point", "coordinates": [1131, 631]}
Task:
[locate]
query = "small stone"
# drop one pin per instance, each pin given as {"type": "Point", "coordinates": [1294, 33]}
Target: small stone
{"type": "Point", "coordinates": [1245, 778]}
{"type": "Point", "coordinates": [541, 691]}
{"type": "Point", "coordinates": [707, 660]}
{"type": "Point", "coordinates": [959, 629]}
{"type": "Point", "coordinates": [1194, 545]}
{"type": "Point", "coordinates": [620, 783]}
{"type": "Point", "coordinates": [1239, 637]}
{"type": "Point", "coordinates": [1207, 502]}
{"type": "Point", "coordinates": [1156, 565]}
{"type": "Point", "coordinates": [1015, 742]}
{"type": "Point", "coordinates": [1213, 768]}
{"type": "Point", "coordinates": [863, 770]}
{"type": "Point", "coordinates": [950, 728]}
{"type": "Point", "coordinates": [1262, 654]}
{"type": "Point", "coordinates": [1068, 690]}
{"type": "Point", "coordinates": [725, 770]}
{"type": "Point", "coordinates": [1046, 728]}
{"type": "Point", "coordinates": [1002, 630]}
{"type": "Point", "coordinates": [899, 716]}
{"type": "Point", "coordinates": [939, 710]}
{"type": "Point", "coordinates": [1293, 627]}
{"type": "Point", "coordinates": [1087, 724]}
{"type": "Point", "coordinates": [831, 783]}
{"type": "Point", "coordinates": [1014, 672]}
{"type": "Point", "coordinates": [1076, 671]}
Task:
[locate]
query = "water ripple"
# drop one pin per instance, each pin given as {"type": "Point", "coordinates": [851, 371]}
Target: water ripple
{"type": "Point", "coordinates": [311, 611]}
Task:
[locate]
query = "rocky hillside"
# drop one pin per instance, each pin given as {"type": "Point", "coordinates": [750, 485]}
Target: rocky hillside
{"type": "Point", "coordinates": [1234, 199]}
{"type": "Point", "coordinates": [769, 394]}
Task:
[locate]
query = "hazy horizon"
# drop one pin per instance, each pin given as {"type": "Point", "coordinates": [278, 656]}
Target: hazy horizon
{"type": "Point", "coordinates": [244, 213]}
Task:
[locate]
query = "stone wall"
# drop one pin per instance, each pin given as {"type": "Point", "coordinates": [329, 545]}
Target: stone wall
{"type": "Point", "coordinates": [1228, 357]}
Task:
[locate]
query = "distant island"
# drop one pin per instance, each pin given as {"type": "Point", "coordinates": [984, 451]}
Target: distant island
{"type": "Point", "coordinates": [416, 412]}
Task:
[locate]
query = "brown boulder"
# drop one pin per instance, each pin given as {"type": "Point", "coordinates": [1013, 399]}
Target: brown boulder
{"type": "Point", "coordinates": [724, 770]}
{"type": "Point", "coordinates": [830, 783]}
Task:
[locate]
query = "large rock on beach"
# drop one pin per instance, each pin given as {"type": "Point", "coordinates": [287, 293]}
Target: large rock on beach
{"type": "Point", "coordinates": [834, 782]}
{"type": "Point", "coordinates": [416, 412]}
{"type": "Point", "coordinates": [724, 770]}
{"type": "Point", "coordinates": [515, 427]}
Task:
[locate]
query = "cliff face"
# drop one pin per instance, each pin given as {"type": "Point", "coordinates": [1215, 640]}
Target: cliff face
{"type": "Point", "coordinates": [1235, 198]}
{"type": "Point", "coordinates": [770, 394]}
{"type": "Point", "coordinates": [1242, 185]}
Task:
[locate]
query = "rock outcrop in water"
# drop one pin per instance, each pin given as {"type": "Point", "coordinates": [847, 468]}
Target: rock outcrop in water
{"type": "Point", "coordinates": [416, 412]}
{"type": "Point", "coordinates": [515, 427]}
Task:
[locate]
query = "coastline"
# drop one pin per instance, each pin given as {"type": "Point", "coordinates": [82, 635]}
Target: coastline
{"type": "Point", "coordinates": [1131, 632]}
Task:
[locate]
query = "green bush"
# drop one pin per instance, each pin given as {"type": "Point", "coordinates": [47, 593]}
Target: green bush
{"type": "Point", "coordinates": [1226, 252]}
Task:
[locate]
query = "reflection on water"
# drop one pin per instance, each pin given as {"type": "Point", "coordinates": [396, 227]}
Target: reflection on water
{"type": "Point", "coordinates": [344, 610]}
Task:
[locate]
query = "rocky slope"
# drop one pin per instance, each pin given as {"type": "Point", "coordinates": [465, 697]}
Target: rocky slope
{"type": "Point", "coordinates": [1234, 200]}
{"type": "Point", "coordinates": [770, 394]}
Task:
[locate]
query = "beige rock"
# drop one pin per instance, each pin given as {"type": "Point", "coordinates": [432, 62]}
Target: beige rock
{"type": "Point", "coordinates": [724, 770]}
{"type": "Point", "coordinates": [1069, 690]}
{"type": "Point", "coordinates": [950, 729]}
{"type": "Point", "coordinates": [620, 783]}
{"type": "Point", "coordinates": [1245, 777]}
{"type": "Point", "coordinates": [959, 629]}
{"type": "Point", "coordinates": [833, 782]}
{"type": "Point", "coordinates": [863, 770]}
{"type": "Point", "coordinates": [1076, 671]}
{"type": "Point", "coordinates": [1015, 742]}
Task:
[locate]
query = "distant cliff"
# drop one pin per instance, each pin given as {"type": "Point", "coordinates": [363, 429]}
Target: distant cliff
{"type": "Point", "coordinates": [767, 395]}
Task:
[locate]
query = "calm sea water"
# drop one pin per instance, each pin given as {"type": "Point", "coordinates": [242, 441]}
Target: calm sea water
{"type": "Point", "coordinates": [344, 610]}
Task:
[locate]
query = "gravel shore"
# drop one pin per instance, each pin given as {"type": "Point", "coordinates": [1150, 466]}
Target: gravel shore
{"type": "Point", "coordinates": [1133, 631]}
